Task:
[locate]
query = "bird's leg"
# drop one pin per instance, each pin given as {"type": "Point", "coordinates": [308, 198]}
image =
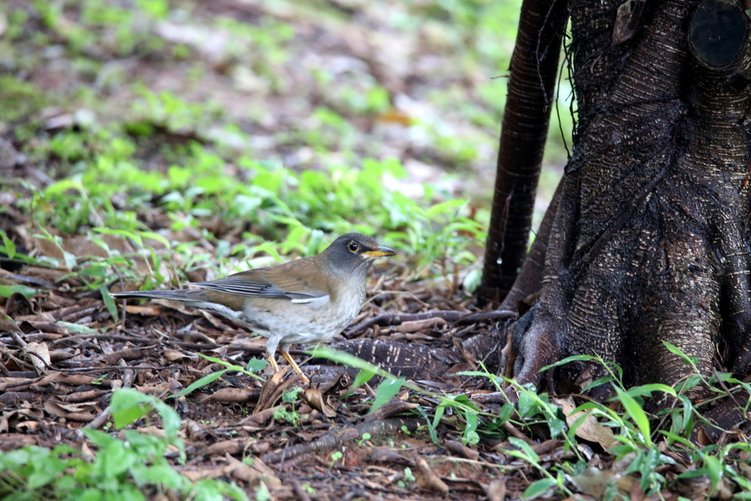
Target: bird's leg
{"type": "Point", "coordinates": [272, 361]}
{"type": "Point", "coordinates": [293, 364]}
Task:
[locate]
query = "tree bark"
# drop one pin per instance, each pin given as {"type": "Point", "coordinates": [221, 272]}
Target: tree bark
{"type": "Point", "coordinates": [647, 244]}
{"type": "Point", "coordinates": [534, 65]}
{"type": "Point", "coordinates": [650, 242]}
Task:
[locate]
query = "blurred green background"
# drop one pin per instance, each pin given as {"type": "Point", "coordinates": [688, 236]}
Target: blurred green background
{"type": "Point", "coordinates": [236, 122]}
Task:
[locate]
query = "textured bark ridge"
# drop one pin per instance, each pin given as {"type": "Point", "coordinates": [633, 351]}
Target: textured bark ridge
{"type": "Point", "coordinates": [650, 239]}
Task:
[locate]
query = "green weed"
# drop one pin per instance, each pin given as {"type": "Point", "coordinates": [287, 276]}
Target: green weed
{"type": "Point", "coordinates": [130, 466]}
{"type": "Point", "coordinates": [251, 369]}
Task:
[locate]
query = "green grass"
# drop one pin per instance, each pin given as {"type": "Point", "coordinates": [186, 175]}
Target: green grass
{"type": "Point", "coordinates": [297, 209]}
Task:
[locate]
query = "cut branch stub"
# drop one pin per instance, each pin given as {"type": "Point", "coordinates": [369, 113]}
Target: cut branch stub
{"type": "Point", "coordinates": [627, 20]}
{"type": "Point", "coordinates": [717, 33]}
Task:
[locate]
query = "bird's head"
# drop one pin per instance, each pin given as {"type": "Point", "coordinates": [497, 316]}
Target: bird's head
{"type": "Point", "coordinates": [353, 251]}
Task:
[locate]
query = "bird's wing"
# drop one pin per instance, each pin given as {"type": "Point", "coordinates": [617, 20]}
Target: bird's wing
{"type": "Point", "coordinates": [259, 283]}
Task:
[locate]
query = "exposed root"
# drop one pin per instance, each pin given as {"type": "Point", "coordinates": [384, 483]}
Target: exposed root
{"type": "Point", "coordinates": [454, 316]}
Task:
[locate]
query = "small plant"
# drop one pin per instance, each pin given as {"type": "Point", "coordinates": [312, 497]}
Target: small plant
{"type": "Point", "coordinates": [254, 366]}
{"type": "Point", "coordinates": [290, 415]}
{"type": "Point", "coordinates": [408, 478]}
{"type": "Point", "coordinates": [335, 457]}
{"type": "Point", "coordinates": [366, 437]}
{"type": "Point", "coordinates": [124, 467]}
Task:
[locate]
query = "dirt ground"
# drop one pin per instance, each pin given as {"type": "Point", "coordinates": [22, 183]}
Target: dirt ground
{"type": "Point", "coordinates": [295, 446]}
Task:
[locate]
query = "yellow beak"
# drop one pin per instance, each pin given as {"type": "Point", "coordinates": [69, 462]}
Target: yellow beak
{"type": "Point", "coordinates": [379, 252]}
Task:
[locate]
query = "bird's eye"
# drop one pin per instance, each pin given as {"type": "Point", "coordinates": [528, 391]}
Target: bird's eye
{"type": "Point", "coordinates": [353, 246]}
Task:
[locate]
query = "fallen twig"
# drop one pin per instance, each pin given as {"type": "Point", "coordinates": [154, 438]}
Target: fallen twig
{"type": "Point", "coordinates": [335, 439]}
{"type": "Point", "coordinates": [128, 376]}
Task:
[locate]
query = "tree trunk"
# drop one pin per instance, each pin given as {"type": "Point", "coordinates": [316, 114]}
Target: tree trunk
{"type": "Point", "coordinates": [647, 242]}
{"type": "Point", "coordinates": [650, 239]}
{"type": "Point", "coordinates": [531, 95]}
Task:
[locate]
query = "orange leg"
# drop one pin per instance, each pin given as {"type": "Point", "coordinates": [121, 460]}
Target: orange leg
{"type": "Point", "coordinates": [272, 361]}
{"type": "Point", "coordinates": [295, 367]}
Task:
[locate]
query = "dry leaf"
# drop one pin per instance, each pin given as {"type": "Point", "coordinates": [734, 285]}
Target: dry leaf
{"type": "Point", "coordinates": [396, 117]}
{"type": "Point", "coordinates": [386, 455]}
{"type": "Point", "coordinates": [203, 473]}
{"type": "Point", "coordinates": [593, 481]}
{"type": "Point", "coordinates": [39, 356]}
{"type": "Point", "coordinates": [427, 479]}
{"type": "Point", "coordinates": [86, 452]}
{"type": "Point", "coordinates": [69, 412]}
{"type": "Point", "coordinates": [143, 310]}
{"type": "Point", "coordinates": [232, 395]}
{"type": "Point", "coordinates": [589, 429]}
{"type": "Point", "coordinates": [314, 397]}
{"type": "Point", "coordinates": [174, 355]}
{"type": "Point", "coordinates": [462, 450]}
{"type": "Point", "coordinates": [272, 390]}
{"type": "Point", "coordinates": [496, 489]}
{"type": "Point", "coordinates": [27, 426]}
{"type": "Point", "coordinates": [234, 446]}
{"type": "Point", "coordinates": [418, 325]}
{"type": "Point", "coordinates": [256, 470]}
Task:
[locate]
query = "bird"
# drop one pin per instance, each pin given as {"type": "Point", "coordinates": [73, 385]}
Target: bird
{"type": "Point", "coordinates": [308, 300]}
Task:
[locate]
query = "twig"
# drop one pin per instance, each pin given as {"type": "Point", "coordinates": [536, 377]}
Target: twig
{"type": "Point", "coordinates": [484, 316]}
{"type": "Point", "coordinates": [335, 439]}
{"type": "Point", "coordinates": [16, 335]}
{"type": "Point", "coordinates": [85, 370]}
{"type": "Point", "coordinates": [128, 376]}
{"type": "Point", "coordinates": [136, 340]}
{"type": "Point", "coordinates": [25, 279]}
{"type": "Point", "coordinates": [75, 313]}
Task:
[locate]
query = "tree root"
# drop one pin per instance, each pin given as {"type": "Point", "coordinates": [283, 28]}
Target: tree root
{"type": "Point", "coordinates": [454, 316]}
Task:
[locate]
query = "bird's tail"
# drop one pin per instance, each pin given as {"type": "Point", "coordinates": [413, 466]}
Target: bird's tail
{"type": "Point", "coordinates": [185, 295]}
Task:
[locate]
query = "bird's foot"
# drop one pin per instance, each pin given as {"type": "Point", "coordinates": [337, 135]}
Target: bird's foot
{"type": "Point", "coordinates": [291, 361]}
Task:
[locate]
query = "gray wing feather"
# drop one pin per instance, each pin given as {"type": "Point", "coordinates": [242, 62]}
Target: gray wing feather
{"type": "Point", "coordinates": [246, 287]}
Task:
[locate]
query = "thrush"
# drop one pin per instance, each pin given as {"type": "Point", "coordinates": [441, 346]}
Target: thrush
{"type": "Point", "coordinates": [309, 300]}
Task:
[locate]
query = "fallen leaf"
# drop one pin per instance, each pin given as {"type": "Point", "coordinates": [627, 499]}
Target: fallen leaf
{"type": "Point", "coordinates": [39, 356]}
{"type": "Point", "coordinates": [386, 455]}
{"type": "Point", "coordinates": [314, 397]}
{"type": "Point", "coordinates": [232, 395]}
{"type": "Point", "coordinates": [496, 489]}
{"type": "Point", "coordinates": [462, 450]}
{"type": "Point", "coordinates": [146, 311]}
{"type": "Point", "coordinates": [255, 470]}
{"type": "Point", "coordinates": [174, 355]}
{"type": "Point", "coordinates": [272, 390]}
{"type": "Point", "coordinates": [427, 479]}
{"type": "Point", "coordinates": [234, 446]}
{"type": "Point", "coordinates": [77, 414]}
{"type": "Point", "coordinates": [396, 116]}
{"type": "Point", "coordinates": [418, 325]}
{"type": "Point", "coordinates": [593, 481]}
{"type": "Point", "coordinates": [588, 429]}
